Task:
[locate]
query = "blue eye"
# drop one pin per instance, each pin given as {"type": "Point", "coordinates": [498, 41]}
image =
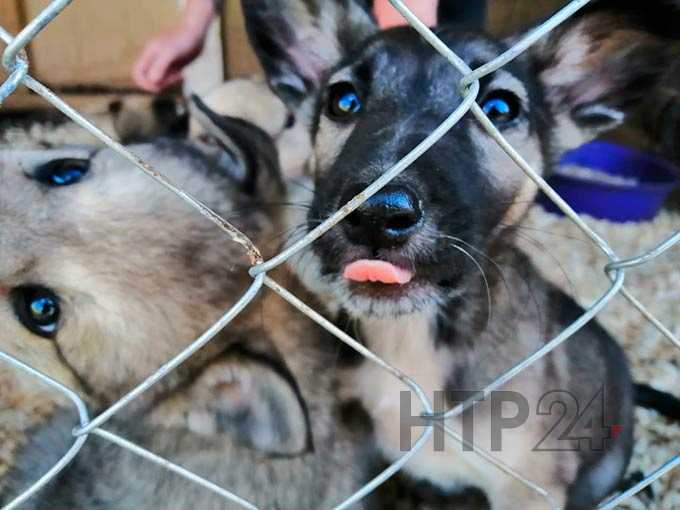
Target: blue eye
{"type": "Point", "coordinates": [37, 308]}
{"type": "Point", "coordinates": [501, 106]}
{"type": "Point", "coordinates": [62, 172]}
{"type": "Point", "coordinates": [349, 103]}
{"type": "Point", "coordinates": [43, 309]}
{"type": "Point", "coordinates": [496, 107]}
{"type": "Point", "coordinates": [343, 101]}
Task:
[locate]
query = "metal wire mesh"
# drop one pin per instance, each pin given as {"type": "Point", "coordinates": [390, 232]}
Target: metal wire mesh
{"type": "Point", "coordinates": [15, 62]}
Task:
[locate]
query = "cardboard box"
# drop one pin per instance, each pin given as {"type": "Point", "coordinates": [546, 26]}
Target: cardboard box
{"type": "Point", "coordinates": [239, 58]}
{"type": "Point", "coordinates": [507, 17]}
{"type": "Point", "coordinates": [93, 43]}
{"type": "Point", "coordinates": [10, 15]}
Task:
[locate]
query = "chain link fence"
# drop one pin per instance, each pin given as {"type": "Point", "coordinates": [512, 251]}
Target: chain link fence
{"type": "Point", "coordinates": [15, 62]}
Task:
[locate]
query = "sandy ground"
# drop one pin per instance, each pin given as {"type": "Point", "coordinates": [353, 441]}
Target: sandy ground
{"type": "Point", "coordinates": [564, 255]}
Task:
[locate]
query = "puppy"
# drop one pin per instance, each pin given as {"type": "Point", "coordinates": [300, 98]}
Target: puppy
{"type": "Point", "coordinates": [105, 275]}
{"type": "Point", "coordinates": [659, 116]}
{"type": "Point", "coordinates": [426, 272]}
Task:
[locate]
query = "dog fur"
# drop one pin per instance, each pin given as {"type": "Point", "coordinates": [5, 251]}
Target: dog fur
{"type": "Point", "coordinates": [137, 275]}
{"type": "Point", "coordinates": [453, 328]}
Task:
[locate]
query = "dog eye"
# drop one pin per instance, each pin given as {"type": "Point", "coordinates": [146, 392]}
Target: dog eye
{"type": "Point", "coordinates": [62, 172]}
{"type": "Point", "coordinates": [37, 308]}
{"type": "Point", "coordinates": [501, 106]}
{"type": "Point", "coordinates": [343, 101]}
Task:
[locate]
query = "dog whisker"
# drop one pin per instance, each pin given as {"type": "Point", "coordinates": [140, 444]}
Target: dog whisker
{"type": "Point", "coordinates": [538, 244]}
{"type": "Point", "coordinates": [482, 254]}
{"type": "Point", "coordinates": [483, 274]}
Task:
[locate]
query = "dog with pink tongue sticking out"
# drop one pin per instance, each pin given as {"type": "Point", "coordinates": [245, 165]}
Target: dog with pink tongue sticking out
{"type": "Point", "coordinates": [426, 272]}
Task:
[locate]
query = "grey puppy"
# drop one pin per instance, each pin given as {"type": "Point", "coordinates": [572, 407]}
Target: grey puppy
{"type": "Point", "coordinates": [105, 275]}
{"type": "Point", "coordinates": [426, 272]}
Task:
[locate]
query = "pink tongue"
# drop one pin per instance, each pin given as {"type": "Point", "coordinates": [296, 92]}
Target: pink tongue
{"type": "Point", "coordinates": [377, 271]}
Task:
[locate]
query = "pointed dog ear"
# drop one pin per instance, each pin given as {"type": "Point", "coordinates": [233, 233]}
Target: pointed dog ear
{"type": "Point", "coordinates": [599, 65]}
{"type": "Point", "coordinates": [242, 150]}
{"type": "Point", "coordinates": [297, 41]}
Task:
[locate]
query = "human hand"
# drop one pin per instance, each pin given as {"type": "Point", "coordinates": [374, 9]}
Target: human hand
{"type": "Point", "coordinates": [161, 62]}
{"type": "Point", "coordinates": [388, 16]}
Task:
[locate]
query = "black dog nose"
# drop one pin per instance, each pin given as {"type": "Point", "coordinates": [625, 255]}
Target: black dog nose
{"type": "Point", "coordinates": [385, 220]}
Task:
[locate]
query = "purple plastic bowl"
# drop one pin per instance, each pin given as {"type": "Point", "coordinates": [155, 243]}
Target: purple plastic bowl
{"type": "Point", "coordinates": [653, 179]}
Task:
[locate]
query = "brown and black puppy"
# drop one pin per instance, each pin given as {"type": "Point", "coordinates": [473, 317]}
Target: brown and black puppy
{"type": "Point", "coordinates": [658, 116]}
{"type": "Point", "coordinates": [415, 270]}
{"type": "Point", "coordinates": [105, 276]}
